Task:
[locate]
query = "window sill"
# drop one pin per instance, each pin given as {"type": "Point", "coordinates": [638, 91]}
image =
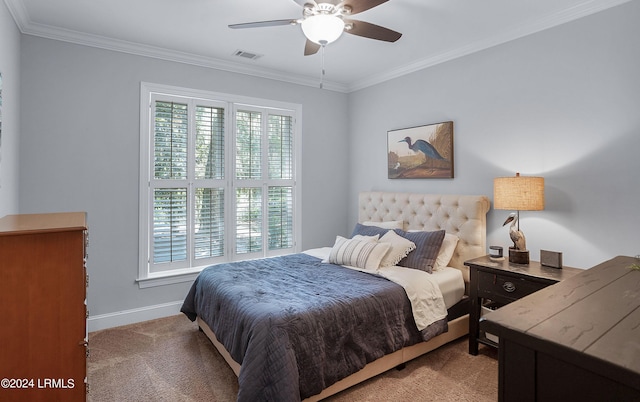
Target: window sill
{"type": "Point", "coordinates": [169, 278]}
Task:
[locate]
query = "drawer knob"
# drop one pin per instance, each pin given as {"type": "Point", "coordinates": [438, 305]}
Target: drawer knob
{"type": "Point", "coordinates": [509, 287]}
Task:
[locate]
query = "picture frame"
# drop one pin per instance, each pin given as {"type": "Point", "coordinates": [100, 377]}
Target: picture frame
{"type": "Point", "coordinates": [422, 152]}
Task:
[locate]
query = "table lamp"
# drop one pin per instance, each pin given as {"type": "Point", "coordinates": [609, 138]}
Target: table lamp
{"type": "Point", "coordinates": [519, 193]}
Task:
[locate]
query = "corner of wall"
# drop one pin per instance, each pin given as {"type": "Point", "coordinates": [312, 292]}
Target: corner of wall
{"type": "Point", "coordinates": [10, 112]}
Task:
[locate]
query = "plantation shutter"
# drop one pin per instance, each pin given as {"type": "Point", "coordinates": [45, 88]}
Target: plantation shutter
{"type": "Point", "coordinates": [248, 173]}
{"type": "Point", "coordinates": [209, 211]}
{"type": "Point", "coordinates": [170, 170]}
{"type": "Point", "coordinates": [264, 181]}
{"type": "Point", "coordinates": [188, 216]}
{"type": "Point", "coordinates": [221, 183]}
{"type": "Point", "coordinates": [280, 201]}
{"type": "Point", "coordinates": [280, 218]}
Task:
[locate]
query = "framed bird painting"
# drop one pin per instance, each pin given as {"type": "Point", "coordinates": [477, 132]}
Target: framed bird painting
{"type": "Point", "coordinates": [423, 152]}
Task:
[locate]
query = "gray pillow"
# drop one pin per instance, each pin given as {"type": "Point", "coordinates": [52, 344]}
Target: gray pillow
{"type": "Point", "coordinates": [365, 230]}
{"type": "Point", "coordinates": [426, 252]}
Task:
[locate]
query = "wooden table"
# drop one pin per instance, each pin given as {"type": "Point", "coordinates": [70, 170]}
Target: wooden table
{"type": "Point", "coordinates": [578, 340]}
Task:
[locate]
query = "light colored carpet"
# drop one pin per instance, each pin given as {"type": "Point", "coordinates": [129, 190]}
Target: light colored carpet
{"type": "Point", "coordinates": [170, 360]}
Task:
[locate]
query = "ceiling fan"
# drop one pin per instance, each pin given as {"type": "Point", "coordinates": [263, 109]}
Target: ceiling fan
{"type": "Point", "coordinates": [323, 22]}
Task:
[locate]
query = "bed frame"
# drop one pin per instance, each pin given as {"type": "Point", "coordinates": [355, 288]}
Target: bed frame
{"type": "Point", "coordinates": [462, 215]}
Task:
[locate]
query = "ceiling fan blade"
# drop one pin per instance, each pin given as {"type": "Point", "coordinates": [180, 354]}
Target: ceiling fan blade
{"type": "Point", "coordinates": [358, 6]}
{"type": "Point", "coordinates": [311, 48]}
{"type": "Point", "coordinates": [261, 24]}
{"type": "Point", "coordinates": [373, 31]}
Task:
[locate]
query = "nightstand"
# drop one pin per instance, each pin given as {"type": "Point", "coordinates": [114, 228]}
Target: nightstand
{"type": "Point", "coordinates": [497, 283]}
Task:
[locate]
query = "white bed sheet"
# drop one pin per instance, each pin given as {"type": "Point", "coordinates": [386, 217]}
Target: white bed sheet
{"type": "Point", "coordinates": [451, 284]}
{"type": "Point", "coordinates": [449, 280]}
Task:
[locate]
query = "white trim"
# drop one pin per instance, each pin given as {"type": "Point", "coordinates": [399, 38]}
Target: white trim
{"type": "Point", "coordinates": [143, 187]}
{"type": "Point", "coordinates": [172, 90]}
{"type": "Point", "coordinates": [26, 26]}
{"type": "Point", "coordinates": [169, 277]}
{"type": "Point", "coordinates": [126, 317]}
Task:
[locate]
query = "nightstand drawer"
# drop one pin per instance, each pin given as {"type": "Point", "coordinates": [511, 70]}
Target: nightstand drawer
{"type": "Point", "coordinates": [504, 288]}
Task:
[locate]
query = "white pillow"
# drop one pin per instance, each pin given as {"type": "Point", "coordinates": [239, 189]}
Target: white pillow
{"type": "Point", "coordinates": [363, 254]}
{"type": "Point", "coordinates": [367, 238]}
{"type": "Point", "coordinates": [385, 225]}
{"type": "Point", "coordinates": [400, 248]}
{"type": "Point", "coordinates": [447, 248]}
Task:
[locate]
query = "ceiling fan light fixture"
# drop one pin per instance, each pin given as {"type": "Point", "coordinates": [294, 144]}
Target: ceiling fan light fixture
{"type": "Point", "coordinates": [322, 28]}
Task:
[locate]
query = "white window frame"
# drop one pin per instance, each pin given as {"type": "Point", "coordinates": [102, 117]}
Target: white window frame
{"type": "Point", "coordinates": [181, 273]}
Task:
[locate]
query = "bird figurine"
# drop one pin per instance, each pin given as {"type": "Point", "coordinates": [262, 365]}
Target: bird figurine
{"type": "Point", "coordinates": [423, 146]}
{"type": "Point", "coordinates": [519, 242]}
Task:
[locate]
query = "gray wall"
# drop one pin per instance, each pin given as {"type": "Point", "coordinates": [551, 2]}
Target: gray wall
{"type": "Point", "coordinates": [10, 69]}
{"type": "Point", "coordinates": [563, 103]}
{"type": "Point", "coordinates": [80, 152]}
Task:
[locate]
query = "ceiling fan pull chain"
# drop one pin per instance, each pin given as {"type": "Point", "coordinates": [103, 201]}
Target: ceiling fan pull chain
{"type": "Point", "coordinates": [322, 70]}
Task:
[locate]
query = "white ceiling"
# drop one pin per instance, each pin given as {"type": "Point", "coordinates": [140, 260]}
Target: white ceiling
{"type": "Point", "coordinates": [196, 32]}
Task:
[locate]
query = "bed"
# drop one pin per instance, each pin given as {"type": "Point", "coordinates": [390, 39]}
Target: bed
{"type": "Point", "coordinates": [273, 319]}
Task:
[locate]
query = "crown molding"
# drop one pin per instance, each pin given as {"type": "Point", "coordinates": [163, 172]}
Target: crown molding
{"type": "Point", "coordinates": [26, 26]}
{"type": "Point", "coordinates": [19, 13]}
{"type": "Point", "coordinates": [172, 55]}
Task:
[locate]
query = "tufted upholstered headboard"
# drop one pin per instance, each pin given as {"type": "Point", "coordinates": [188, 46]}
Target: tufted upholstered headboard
{"type": "Point", "coordinates": [462, 215]}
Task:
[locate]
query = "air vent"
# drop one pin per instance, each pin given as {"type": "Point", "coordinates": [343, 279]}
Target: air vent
{"type": "Point", "coordinates": [247, 55]}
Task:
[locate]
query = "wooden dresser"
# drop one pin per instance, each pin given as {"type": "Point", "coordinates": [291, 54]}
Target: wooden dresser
{"type": "Point", "coordinates": [577, 340]}
{"type": "Point", "coordinates": [43, 311]}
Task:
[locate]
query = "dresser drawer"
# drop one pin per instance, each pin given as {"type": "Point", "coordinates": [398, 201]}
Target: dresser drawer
{"type": "Point", "coordinates": [505, 288]}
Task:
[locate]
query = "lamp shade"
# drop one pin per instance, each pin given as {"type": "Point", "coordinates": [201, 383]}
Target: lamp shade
{"type": "Point", "coordinates": [519, 193]}
{"type": "Point", "coordinates": [322, 29]}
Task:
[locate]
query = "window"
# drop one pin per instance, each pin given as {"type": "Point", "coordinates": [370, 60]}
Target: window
{"type": "Point", "coordinates": [217, 181]}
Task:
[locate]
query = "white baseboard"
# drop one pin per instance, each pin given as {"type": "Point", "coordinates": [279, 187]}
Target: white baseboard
{"type": "Point", "coordinates": [110, 320]}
